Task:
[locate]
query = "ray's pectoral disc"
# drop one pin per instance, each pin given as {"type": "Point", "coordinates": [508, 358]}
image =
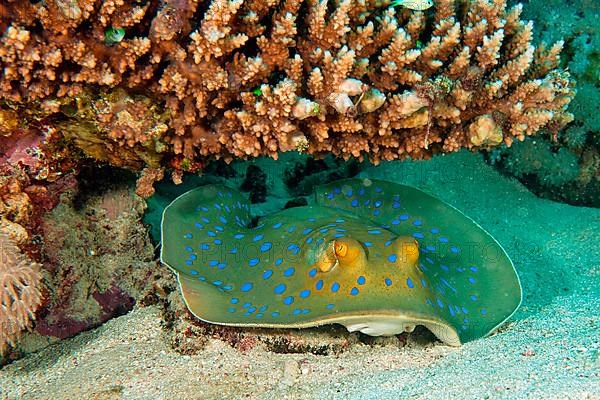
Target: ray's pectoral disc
{"type": "Point", "coordinates": [374, 256]}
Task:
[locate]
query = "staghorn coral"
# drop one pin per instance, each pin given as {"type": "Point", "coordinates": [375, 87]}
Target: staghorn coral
{"type": "Point", "coordinates": [242, 78]}
{"type": "Point", "coordinates": [20, 296]}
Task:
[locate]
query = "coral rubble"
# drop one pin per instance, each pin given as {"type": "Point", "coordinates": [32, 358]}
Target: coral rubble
{"type": "Point", "coordinates": [229, 79]}
{"type": "Point", "coordinates": [101, 268]}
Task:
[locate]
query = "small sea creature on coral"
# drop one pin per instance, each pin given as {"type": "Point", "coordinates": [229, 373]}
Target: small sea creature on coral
{"type": "Point", "coordinates": [113, 35]}
{"type": "Point", "coordinates": [417, 5]}
{"type": "Point", "coordinates": [374, 256]}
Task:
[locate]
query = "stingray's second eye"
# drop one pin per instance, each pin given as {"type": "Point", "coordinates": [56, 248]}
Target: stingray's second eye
{"type": "Point", "coordinates": [407, 250]}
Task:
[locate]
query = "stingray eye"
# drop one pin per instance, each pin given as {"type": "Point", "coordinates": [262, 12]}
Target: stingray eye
{"type": "Point", "coordinates": [344, 252]}
{"type": "Point", "coordinates": [407, 250]}
{"type": "Point", "coordinates": [347, 250]}
{"type": "Point", "coordinates": [341, 249]}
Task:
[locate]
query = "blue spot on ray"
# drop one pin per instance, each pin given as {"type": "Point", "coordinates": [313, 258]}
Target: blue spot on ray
{"type": "Point", "coordinates": [246, 287]}
{"type": "Point", "coordinates": [267, 274]}
{"type": "Point", "coordinates": [288, 300]}
{"type": "Point", "coordinates": [279, 289]}
{"type": "Point", "coordinates": [266, 246]}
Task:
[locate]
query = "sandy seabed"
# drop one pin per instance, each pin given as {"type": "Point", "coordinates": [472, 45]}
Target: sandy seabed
{"type": "Point", "coordinates": [548, 350]}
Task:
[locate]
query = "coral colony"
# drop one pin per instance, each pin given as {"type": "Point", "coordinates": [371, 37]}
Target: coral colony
{"type": "Point", "coordinates": [170, 85]}
{"type": "Point", "coordinates": [181, 82]}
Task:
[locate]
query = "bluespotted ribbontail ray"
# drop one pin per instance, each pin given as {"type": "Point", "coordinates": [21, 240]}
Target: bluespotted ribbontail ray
{"type": "Point", "coordinates": [374, 256]}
